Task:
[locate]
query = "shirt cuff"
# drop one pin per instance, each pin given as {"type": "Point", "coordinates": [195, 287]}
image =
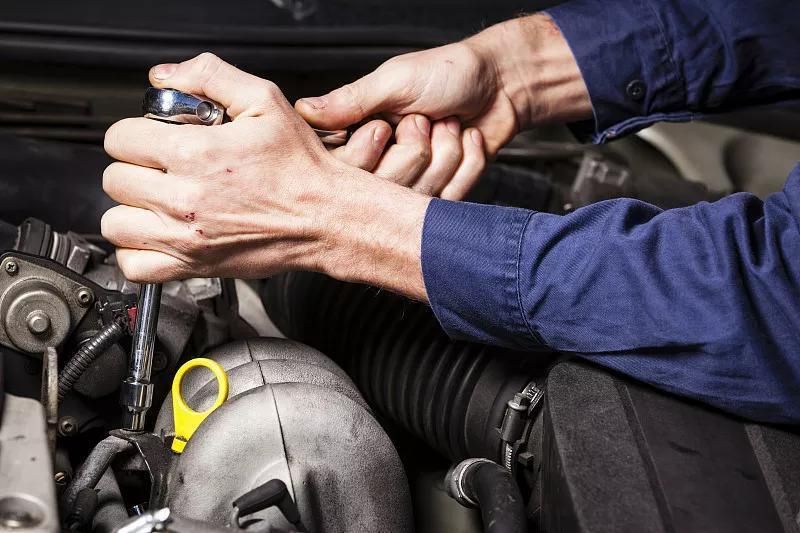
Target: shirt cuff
{"type": "Point", "coordinates": [470, 265]}
{"type": "Point", "coordinates": [624, 56]}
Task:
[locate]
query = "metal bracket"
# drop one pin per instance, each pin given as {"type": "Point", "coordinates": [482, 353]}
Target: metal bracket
{"type": "Point", "coordinates": [157, 459]}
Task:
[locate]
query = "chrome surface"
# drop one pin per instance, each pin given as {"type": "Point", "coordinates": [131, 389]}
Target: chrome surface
{"type": "Point", "coordinates": [137, 391]}
{"type": "Point", "coordinates": [171, 105]}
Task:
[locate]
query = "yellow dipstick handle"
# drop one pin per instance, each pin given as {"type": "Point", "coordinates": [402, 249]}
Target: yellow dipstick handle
{"type": "Point", "coordinates": [188, 420]}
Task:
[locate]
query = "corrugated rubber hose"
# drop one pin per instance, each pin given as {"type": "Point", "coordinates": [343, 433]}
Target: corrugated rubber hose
{"type": "Point", "coordinates": [87, 354]}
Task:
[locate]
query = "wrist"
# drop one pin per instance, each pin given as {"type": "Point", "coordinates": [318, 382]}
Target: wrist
{"type": "Point", "coordinates": [536, 70]}
{"type": "Point", "coordinates": [370, 231]}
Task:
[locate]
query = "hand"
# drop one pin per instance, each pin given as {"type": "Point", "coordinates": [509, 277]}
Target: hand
{"type": "Point", "coordinates": [441, 160]}
{"type": "Point", "coordinates": [436, 159]}
{"type": "Point", "coordinates": [254, 196]}
{"type": "Point", "coordinates": [504, 79]}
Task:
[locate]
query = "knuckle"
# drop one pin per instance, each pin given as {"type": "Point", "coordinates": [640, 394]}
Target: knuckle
{"type": "Point", "coordinates": [352, 94]}
{"type": "Point", "coordinates": [187, 150]}
{"type": "Point", "coordinates": [452, 161]}
{"type": "Point", "coordinates": [421, 153]}
{"type": "Point", "coordinates": [424, 188]}
{"type": "Point", "coordinates": [187, 201]}
{"type": "Point", "coordinates": [270, 92]}
{"type": "Point", "coordinates": [206, 64]}
{"type": "Point", "coordinates": [194, 241]}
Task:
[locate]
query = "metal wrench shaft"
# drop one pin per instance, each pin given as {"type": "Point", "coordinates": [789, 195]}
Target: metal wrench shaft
{"type": "Point", "coordinates": [137, 389]}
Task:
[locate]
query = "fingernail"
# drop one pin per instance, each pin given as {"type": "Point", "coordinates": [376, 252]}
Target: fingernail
{"type": "Point", "coordinates": [423, 125]}
{"type": "Point", "coordinates": [454, 126]}
{"type": "Point", "coordinates": [476, 137]}
{"type": "Point", "coordinates": [162, 72]}
{"type": "Point", "coordinates": [380, 135]}
{"type": "Point", "coordinates": [316, 102]}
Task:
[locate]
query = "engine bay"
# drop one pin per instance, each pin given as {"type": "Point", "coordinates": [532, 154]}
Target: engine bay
{"type": "Point", "coordinates": [318, 405]}
{"type": "Point", "coordinates": [369, 419]}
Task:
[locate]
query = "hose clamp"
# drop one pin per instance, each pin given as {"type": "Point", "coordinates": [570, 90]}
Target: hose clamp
{"type": "Point", "coordinates": [520, 411]}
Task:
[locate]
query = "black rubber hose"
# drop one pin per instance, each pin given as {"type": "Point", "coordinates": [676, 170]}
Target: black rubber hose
{"type": "Point", "coordinates": [450, 394]}
{"type": "Point", "coordinates": [87, 354]}
{"type": "Point", "coordinates": [82, 510]}
{"type": "Point", "coordinates": [487, 485]}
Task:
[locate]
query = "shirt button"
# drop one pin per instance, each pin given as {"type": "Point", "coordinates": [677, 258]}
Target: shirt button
{"type": "Point", "coordinates": [635, 90]}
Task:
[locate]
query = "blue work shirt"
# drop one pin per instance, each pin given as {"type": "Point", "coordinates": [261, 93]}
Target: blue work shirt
{"type": "Point", "coordinates": [702, 301]}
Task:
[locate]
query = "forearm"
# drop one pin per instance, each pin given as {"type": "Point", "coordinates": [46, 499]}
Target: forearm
{"type": "Point", "coordinates": [371, 232]}
{"type": "Point", "coordinates": [537, 70]}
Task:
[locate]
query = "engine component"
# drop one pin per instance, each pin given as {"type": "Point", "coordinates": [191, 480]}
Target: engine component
{"type": "Point", "coordinates": [27, 492]}
{"type": "Point", "coordinates": [87, 354]}
{"type": "Point", "coordinates": [111, 510]}
{"type": "Point", "coordinates": [292, 416]}
{"type": "Point", "coordinates": [94, 467]}
{"type": "Point", "coordinates": [487, 485]}
{"type": "Point", "coordinates": [600, 178]}
{"type": "Point", "coordinates": [186, 419]}
{"type": "Point", "coordinates": [82, 511]}
{"type": "Point", "coordinates": [272, 493]}
{"type": "Point", "coordinates": [38, 306]}
{"type": "Point", "coordinates": [618, 456]}
{"type": "Point", "coordinates": [165, 520]}
{"type": "Point", "coordinates": [35, 237]}
{"type": "Point", "coordinates": [453, 395]}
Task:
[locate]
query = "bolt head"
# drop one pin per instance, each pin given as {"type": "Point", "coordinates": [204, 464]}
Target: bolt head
{"type": "Point", "coordinates": [38, 322]}
{"type": "Point", "coordinates": [67, 426]}
{"type": "Point", "coordinates": [85, 297]}
{"type": "Point", "coordinates": [12, 268]}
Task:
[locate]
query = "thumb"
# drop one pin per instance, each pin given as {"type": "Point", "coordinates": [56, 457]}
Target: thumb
{"type": "Point", "coordinates": [240, 93]}
{"type": "Point", "coordinates": [350, 103]}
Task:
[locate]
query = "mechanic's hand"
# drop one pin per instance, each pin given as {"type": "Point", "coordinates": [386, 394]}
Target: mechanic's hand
{"type": "Point", "coordinates": [453, 84]}
{"type": "Point", "coordinates": [255, 196]}
{"type": "Point", "coordinates": [458, 80]}
{"type": "Point", "coordinates": [435, 159]}
{"type": "Point", "coordinates": [504, 79]}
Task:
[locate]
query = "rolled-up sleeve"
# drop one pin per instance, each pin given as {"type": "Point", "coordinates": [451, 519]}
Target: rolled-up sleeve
{"type": "Point", "coordinates": [646, 61]}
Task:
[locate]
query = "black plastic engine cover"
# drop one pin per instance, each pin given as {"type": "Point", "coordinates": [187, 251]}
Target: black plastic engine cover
{"type": "Point", "coordinates": [618, 456]}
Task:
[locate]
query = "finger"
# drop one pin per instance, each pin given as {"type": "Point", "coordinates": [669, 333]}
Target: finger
{"type": "Point", "coordinates": [134, 227]}
{"type": "Point", "coordinates": [142, 141]}
{"type": "Point", "coordinates": [365, 148]}
{"type": "Point", "coordinates": [148, 266]}
{"type": "Point", "coordinates": [405, 160]}
{"type": "Point", "coordinates": [241, 94]}
{"type": "Point", "coordinates": [352, 103]}
{"type": "Point", "coordinates": [472, 165]}
{"type": "Point", "coordinates": [134, 185]}
{"type": "Point", "coordinates": [445, 157]}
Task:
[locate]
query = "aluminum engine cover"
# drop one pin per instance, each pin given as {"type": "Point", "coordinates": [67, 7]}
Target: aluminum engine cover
{"type": "Point", "coordinates": [292, 414]}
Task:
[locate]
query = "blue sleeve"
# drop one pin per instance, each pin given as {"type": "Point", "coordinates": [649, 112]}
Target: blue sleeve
{"type": "Point", "coordinates": [646, 61]}
{"type": "Point", "coordinates": [702, 301]}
